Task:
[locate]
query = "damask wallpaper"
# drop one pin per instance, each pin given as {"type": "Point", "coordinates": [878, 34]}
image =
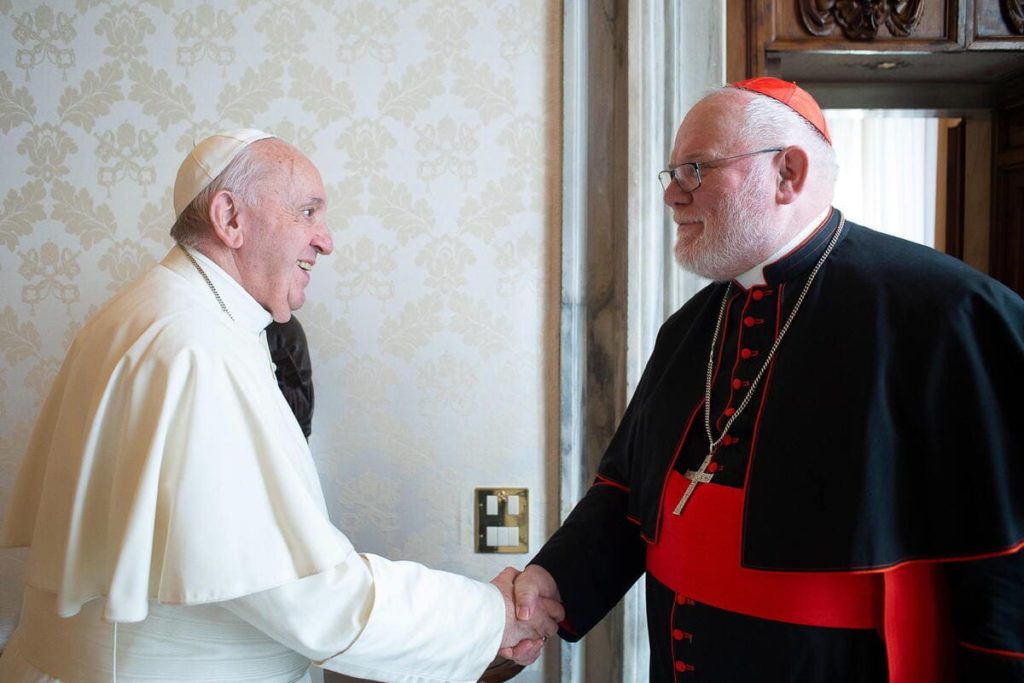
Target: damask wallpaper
{"type": "Point", "coordinates": [433, 327]}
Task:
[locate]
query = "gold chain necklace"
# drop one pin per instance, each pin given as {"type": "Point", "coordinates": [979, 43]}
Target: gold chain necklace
{"type": "Point", "coordinates": [216, 294]}
{"type": "Point", "coordinates": [701, 475]}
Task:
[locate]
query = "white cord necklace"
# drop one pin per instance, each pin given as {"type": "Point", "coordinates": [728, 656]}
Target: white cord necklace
{"type": "Point", "coordinates": [701, 475]}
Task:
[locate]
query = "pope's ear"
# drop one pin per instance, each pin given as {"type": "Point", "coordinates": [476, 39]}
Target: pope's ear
{"type": "Point", "coordinates": [792, 174]}
{"type": "Point", "coordinates": [224, 219]}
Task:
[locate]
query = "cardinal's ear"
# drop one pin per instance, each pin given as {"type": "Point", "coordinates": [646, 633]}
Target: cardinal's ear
{"type": "Point", "coordinates": [791, 169]}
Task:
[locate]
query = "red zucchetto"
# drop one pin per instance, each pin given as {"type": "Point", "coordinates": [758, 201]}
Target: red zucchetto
{"type": "Point", "coordinates": [791, 95]}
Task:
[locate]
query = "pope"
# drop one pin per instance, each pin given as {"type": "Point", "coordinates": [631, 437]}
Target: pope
{"type": "Point", "coordinates": [176, 523]}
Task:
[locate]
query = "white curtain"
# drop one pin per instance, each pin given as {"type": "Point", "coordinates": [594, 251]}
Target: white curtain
{"type": "Point", "coordinates": [887, 170]}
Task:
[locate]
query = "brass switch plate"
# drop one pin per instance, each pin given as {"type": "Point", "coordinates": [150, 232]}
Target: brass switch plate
{"type": "Point", "coordinates": [502, 520]}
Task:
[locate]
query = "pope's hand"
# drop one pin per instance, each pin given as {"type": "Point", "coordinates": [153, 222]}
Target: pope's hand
{"type": "Point", "coordinates": [526, 632]}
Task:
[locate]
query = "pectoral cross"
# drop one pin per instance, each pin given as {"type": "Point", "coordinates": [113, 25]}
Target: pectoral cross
{"type": "Point", "coordinates": [700, 476]}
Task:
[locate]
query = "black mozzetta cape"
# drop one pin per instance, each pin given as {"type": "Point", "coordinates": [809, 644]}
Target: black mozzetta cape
{"type": "Point", "coordinates": [890, 428]}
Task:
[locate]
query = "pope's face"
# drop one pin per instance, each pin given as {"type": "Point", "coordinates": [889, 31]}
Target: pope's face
{"type": "Point", "coordinates": [285, 233]}
{"type": "Point", "coordinates": [724, 226]}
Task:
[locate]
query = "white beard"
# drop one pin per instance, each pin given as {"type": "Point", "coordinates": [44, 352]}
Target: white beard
{"type": "Point", "coordinates": [736, 236]}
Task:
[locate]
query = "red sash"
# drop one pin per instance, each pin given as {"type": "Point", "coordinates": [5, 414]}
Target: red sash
{"type": "Point", "coordinates": [698, 556]}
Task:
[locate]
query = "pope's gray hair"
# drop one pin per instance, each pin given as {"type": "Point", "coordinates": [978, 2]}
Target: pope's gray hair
{"type": "Point", "coordinates": [766, 122]}
{"type": "Point", "coordinates": [242, 177]}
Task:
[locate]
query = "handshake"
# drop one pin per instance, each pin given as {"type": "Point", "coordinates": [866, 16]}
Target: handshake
{"type": "Point", "coordinates": [533, 609]}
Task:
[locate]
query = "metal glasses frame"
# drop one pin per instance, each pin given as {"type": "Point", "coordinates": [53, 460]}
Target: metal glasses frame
{"type": "Point", "coordinates": [675, 174]}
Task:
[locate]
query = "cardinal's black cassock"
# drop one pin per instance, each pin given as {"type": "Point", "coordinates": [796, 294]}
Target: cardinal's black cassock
{"type": "Point", "coordinates": [865, 515]}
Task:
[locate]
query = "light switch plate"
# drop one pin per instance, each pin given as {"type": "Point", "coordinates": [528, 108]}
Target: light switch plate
{"type": "Point", "coordinates": [509, 533]}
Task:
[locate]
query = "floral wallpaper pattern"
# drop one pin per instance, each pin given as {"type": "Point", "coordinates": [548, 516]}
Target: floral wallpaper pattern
{"type": "Point", "coordinates": [433, 326]}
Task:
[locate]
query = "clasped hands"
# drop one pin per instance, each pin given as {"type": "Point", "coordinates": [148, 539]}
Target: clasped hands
{"type": "Point", "coordinates": [533, 609]}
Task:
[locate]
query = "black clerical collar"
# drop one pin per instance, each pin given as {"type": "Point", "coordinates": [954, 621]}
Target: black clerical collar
{"type": "Point", "coordinates": [795, 260]}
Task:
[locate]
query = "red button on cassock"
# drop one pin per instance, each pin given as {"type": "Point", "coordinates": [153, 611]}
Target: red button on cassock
{"type": "Point", "coordinates": [729, 411]}
{"type": "Point", "coordinates": [713, 467]}
{"type": "Point", "coordinates": [749, 321]}
{"type": "Point", "coordinates": [737, 383]}
{"type": "Point", "coordinates": [681, 599]}
{"type": "Point", "coordinates": [680, 666]}
{"type": "Point", "coordinates": [758, 295]}
{"type": "Point", "coordinates": [677, 634]}
{"type": "Point", "coordinates": [746, 353]}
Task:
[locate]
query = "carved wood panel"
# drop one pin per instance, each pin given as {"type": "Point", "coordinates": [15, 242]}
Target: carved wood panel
{"type": "Point", "coordinates": [1013, 13]}
{"type": "Point", "coordinates": [861, 19]}
{"type": "Point", "coordinates": [778, 31]}
{"type": "Point", "coordinates": [999, 19]}
{"type": "Point", "coordinates": [851, 23]}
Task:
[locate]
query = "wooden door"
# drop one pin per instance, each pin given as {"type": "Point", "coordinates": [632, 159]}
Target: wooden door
{"type": "Point", "coordinates": [1007, 255]}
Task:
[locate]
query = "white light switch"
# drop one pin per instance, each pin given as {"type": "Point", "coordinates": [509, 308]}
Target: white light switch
{"type": "Point", "coordinates": [513, 505]}
{"type": "Point", "coordinates": [493, 536]}
{"type": "Point", "coordinates": [492, 505]}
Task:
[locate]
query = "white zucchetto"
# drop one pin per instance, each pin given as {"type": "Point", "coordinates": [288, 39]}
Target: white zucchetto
{"type": "Point", "coordinates": [207, 160]}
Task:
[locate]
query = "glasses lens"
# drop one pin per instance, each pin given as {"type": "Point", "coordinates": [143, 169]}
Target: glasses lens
{"type": "Point", "coordinates": [687, 177]}
{"type": "Point", "coordinates": [665, 177]}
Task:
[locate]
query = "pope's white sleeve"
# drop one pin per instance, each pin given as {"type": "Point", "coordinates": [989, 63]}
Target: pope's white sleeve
{"type": "Point", "coordinates": [373, 618]}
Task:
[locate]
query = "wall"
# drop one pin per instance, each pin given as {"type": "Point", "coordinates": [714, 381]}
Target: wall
{"type": "Point", "coordinates": [433, 327]}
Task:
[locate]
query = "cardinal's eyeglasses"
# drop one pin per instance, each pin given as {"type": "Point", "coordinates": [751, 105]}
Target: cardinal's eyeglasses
{"type": "Point", "coordinates": [687, 175]}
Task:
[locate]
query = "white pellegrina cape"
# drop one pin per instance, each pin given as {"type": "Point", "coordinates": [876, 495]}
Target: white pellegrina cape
{"type": "Point", "coordinates": [166, 467]}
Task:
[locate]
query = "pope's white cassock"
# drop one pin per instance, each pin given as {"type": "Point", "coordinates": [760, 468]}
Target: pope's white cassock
{"type": "Point", "coordinates": [178, 529]}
